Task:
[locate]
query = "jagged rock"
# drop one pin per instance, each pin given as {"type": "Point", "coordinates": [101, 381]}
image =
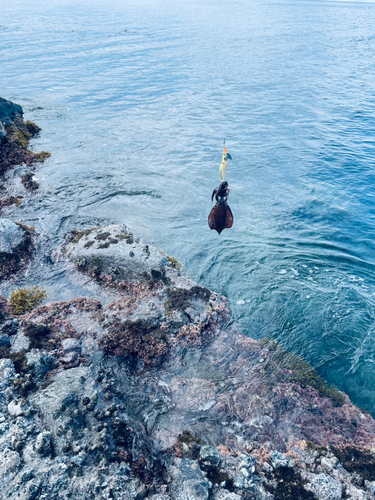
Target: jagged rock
{"type": "Point", "coordinates": [226, 495]}
{"type": "Point", "coordinates": [209, 454]}
{"type": "Point", "coordinates": [71, 344]}
{"type": "Point", "coordinates": [247, 462]}
{"type": "Point", "coordinates": [108, 250]}
{"type": "Point", "coordinates": [9, 463]}
{"type": "Point", "coordinates": [39, 362]}
{"type": "Point", "coordinates": [43, 443]}
{"type": "Point", "coordinates": [324, 487]}
{"type": "Point", "coordinates": [16, 408]}
{"type": "Point", "coordinates": [278, 459]}
{"type": "Point", "coordinates": [4, 340]}
{"type": "Point", "coordinates": [14, 136]}
{"type": "Point", "coordinates": [7, 372]}
{"type": "Point", "coordinates": [11, 235]}
{"type": "Point", "coordinates": [189, 482]}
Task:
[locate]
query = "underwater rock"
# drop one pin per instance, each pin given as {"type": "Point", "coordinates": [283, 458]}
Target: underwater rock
{"type": "Point", "coordinates": [11, 235]}
{"type": "Point", "coordinates": [16, 245]}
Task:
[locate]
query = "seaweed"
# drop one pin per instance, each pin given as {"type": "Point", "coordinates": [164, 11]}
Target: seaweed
{"type": "Point", "coordinates": [187, 438]}
{"type": "Point", "coordinates": [179, 298]}
{"type": "Point", "coordinates": [356, 460]}
{"type": "Point", "coordinates": [76, 235]}
{"type": "Point", "coordinates": [102, 236]}
{"type": "Point", "coordinates": [42, 156]}
{"type": "Point", "coordinates": [135, 339]}
{"type": "Point", "coordinates": [302, 371]}
{"type": "Point", "coordinates": [37, 334]}
{"type": "Point", "coordinates": [290, 485]}
{"type": "Point", "coordinates": [32, 128]}
{"type": "Point", "coordinates": [25, 300]}
{"type": "Point", "coordinates": [173, 262]}
{"type": "Point", "coordinates": [18, 358]}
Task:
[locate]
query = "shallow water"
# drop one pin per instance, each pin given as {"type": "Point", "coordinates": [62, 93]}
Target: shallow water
{"type": "Point", "coordinates": [135, 98]}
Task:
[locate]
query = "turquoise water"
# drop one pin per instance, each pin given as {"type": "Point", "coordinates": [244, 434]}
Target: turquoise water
{"type": "Point", "coordinates": [135, 98]}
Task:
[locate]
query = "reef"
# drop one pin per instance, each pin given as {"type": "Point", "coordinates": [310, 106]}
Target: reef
{"type": "Point", "coordinates": [151, 391]}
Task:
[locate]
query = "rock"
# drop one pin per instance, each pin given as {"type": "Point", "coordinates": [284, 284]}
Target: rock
{"type": "Point", "coordinates": [9, 462]}
{"type": "Point", "coordinates": [209, 454]}
{"type": "Point", "coordinates": [278, 459]}
{"type": "Point", "coordinates": [11, 236]}
{"type": "Point", "coordinates": [9, 112]}
{"type": "Point", "coordinates": [16, 408]}
{"type": "Point", "coordinates": [159, 497]}
{"type": "Point", "coordinates": [189, 482]}
{"type": "Point", "coordinates": [39, 362]}
{"type": "Point", "coordinates": [95, 250]}
{"type": "Point", "coordinates": [7, 372]}
{"type": "Point", "coordinates": [10, 327]}
{"type": "Point", "coordinates": [4, 340]}
{"type": "Point", "coordinates": [43, 443]}
{"type": "Point", "coordinates": [324, 487]}
{"type": "Point", "coordinates": [226, 495]}
{"type": "Point", "coordinates": [329, 463]}
{"type": "Point", "coordinates": [71, 344]}
{"type": "Point", "coordinates": [14, 137]}
{"type": "Point", "coordinates": [247, 461]}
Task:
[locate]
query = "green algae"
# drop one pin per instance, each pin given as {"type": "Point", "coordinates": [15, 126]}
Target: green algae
{"type": "Point", "coordinates": [23, 300]}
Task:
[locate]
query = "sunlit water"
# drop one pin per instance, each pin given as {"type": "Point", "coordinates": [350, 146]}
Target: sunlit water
{"type": "Point", "coordinates": [135, 98]}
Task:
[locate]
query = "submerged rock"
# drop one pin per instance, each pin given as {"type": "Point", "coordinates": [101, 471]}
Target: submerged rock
{"type": "Point", "coordinates": [16, 245]}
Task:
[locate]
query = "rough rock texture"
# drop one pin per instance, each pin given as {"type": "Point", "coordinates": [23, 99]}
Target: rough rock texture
{"type": "Point", "coordinates": [114, 250]}
{"type": "Point", "coordinates": [11, 236]}
{"type": "Point", "coordinates": [157, 394]}
{"type": "Point", "coordinates": [14, 137]}
{"type": "Point", "coordinates": [16, 245]}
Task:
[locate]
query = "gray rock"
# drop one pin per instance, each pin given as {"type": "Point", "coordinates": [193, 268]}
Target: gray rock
{"type": "Point", "coordinates": [9, 111]}
{"type": "Point", "coordinates": [189, 482]}
{"type": "Point", "coordinates": [39, 362]}
{"type": "Point", "coordinates": [159, 497]}
{"type": "Point", "coordinates": [226, 495]}
{"type": "Point", "coordinates": [209, 454]}
{"type": "Point", "coordinates": [71, 344]}
{"type": "Point", "coordinates": [4, 340]}
{"type": "Point", "coordinates": [16, 408]}
{"type": "Point", "coordinates": [247, 461]}
{"type": "Point", "coordinates": [278, 459]}
{"type": "Point", "coordinates": [9, 462]}
{"type": "Point", "coordinates": [10, 236]}
{"type": "Point", "coordinates": [324, 487]}
{"type": "Point", "coordinates": [113, 258]}
{"type": "Point", "coordinates": [43, 443]}
{"type": "Point", "coordinates": [7, 372]}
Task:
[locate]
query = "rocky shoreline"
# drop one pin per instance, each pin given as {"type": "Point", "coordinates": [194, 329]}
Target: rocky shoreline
{"type": "Point", "coordinates": [150, 391]}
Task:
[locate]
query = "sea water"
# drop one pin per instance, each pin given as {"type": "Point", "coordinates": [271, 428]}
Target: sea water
{"type": "Point", "coordinates": [135, 99]}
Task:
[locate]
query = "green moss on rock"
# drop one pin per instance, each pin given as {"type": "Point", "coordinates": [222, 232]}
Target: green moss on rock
{"type": "Point", "coordinates": [25, 300]}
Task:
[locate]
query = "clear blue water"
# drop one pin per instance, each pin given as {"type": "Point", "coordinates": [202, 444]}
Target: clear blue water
{"type": "Point", "coordinates": [135, 98]}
